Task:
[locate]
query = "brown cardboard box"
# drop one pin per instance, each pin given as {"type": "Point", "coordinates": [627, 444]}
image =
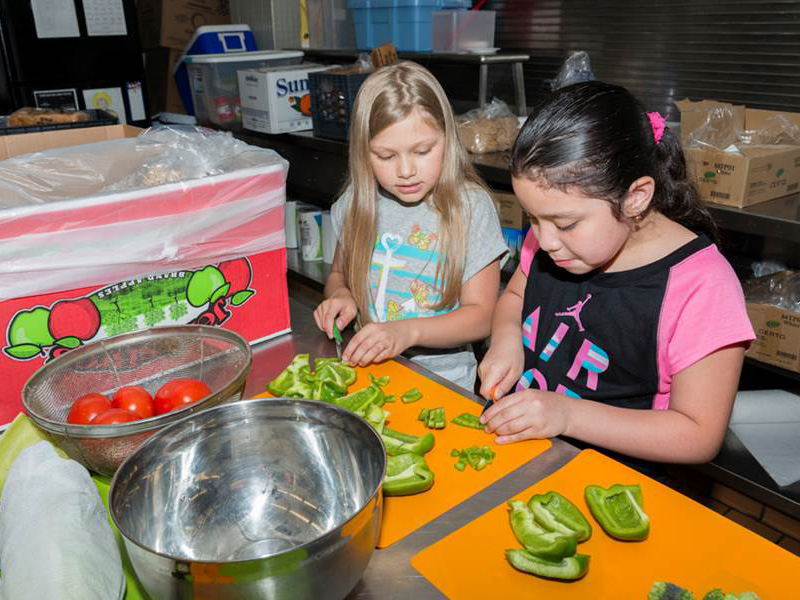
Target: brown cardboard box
{"type": "Point", "coordinates": [758, 174]}
{"type": "Point", "coordinates": [777, 336]}
{"type": "Point", "coordinates": [159, 66]}
{"type": "Point", "coordinates": [14, 145]}
{"type": "Point", "coordinates": [171, 23]}
{"type": "Point", "coordinates": [509, 210]}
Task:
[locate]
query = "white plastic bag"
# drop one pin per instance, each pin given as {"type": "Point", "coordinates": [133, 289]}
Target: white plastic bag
{"type": "Point", "coordinates": [55, 538]}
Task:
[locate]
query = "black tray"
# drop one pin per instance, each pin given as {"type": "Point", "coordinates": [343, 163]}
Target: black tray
{"type": "Point", "coordinates": [97, 118]}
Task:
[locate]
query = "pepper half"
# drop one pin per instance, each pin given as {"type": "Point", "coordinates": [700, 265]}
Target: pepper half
{"type": "Point", "coordinates": [468, 420]}
{"type": "Point", "coordinates": [619, 510]}
{"type": "Point", "coordinates": [406, 474]}
{"type": "Point", "coordinates": [402, 443]}
{"type": "Point", "coordinates": [550, 545]}
{"type": "Point", "coordinates": [572, 567]}
{"type": "Point", "coordinates": [555, 513]}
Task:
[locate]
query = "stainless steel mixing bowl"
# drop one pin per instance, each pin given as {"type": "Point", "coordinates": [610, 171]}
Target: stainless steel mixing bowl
{"type": "Point", "coordinates": [266, 498]}
{"type": "Point", "coordinates": [219, 358]}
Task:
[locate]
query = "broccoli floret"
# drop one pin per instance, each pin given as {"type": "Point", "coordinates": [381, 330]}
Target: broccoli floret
{"type": "Point", "coordinates": [715, 594]}
{"type": "Point", "coordinates": [668, 591]}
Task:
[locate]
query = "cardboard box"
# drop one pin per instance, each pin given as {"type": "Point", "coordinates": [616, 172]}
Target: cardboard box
{"type": "Point", "coordinates": [159, 66]}
{"type": "Point", "coordinates": [758, 174]}
{"type": "Point", "coordinates": [171, 23]}
{"type": "Point", "coordinates": [777, 336]}
{"type": "Point", "coordinates": [250, 296]}
{"type": "Point", "coordinates": [509, 210]}
{"type": "Point", "coordinates": [276, 99]}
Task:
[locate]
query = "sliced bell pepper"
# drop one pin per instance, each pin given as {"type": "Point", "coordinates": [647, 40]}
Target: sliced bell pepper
{"type": "Point", "coordinates": [476, 457]}
{"type": "Point", "coordinates": [331, 369]}
{"type": "Point", "coordinates": [555, 513]}
{"type": "Point", "coordinates": [468, 420]}
{"type": "Point", "coordinates": [572, 567]}
{"type": "Point", "coordinates": [286, 381]}
{"type": "Point", "coordinates": [406, 474]}
{"type": "Point", "coordinates": [362, 398]}
{"type": "Point", "coordinates": [551, 545]}
{"type": "Point", "coordinates": [381, 381]}
{"type": "Point", "coordinates": [410, 396]}
{"type": "Point", "coordinates": [619, 510]}
{"type": "Point", "coordinates": [376, 417]}
{"type": "Point", "coordinates": [327, 391]}
{"type": "Point", "coordinates": [401, 443]}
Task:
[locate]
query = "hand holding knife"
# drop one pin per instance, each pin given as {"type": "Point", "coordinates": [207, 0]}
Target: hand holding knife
{"type": "Point", "coordinates": [491, 399]}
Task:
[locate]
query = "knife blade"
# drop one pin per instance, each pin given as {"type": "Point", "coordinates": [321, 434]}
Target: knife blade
{"type": "Point", "coordinates": [490, 400]}
{"type": "Point", "coordinates": [337, 336]}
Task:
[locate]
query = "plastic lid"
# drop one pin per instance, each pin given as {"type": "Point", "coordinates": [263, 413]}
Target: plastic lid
{"type": "Point", "coordinates": [241, 56]}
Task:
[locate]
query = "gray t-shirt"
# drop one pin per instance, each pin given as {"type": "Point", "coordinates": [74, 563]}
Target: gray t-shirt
{"type": "Point", "coordinates": [403, 269]}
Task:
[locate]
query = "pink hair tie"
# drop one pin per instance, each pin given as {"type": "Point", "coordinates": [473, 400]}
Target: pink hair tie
{"type": "Point", "coordinates": [658, 123]}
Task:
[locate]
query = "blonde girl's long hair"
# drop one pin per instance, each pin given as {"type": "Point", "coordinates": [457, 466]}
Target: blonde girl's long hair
{"type": "Point", "coordinates": [387, 96]}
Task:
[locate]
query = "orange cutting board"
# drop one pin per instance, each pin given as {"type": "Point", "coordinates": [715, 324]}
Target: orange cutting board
{"type": "Point", "coordinates": [689, 545]}
{"type": "Point", "coordinates": [404, 514]}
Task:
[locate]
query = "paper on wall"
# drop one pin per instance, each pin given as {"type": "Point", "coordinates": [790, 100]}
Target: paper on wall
{"type": "Point", "coordinates": [104, 17]}
{"type": "Point", "coordinates": [55, 18]}
{"type": "Point", "coordinates": [768, 424]}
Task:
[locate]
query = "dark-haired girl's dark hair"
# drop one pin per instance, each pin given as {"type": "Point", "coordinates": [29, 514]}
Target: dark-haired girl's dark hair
{"type": "Point", "coordinates": [597, 138]}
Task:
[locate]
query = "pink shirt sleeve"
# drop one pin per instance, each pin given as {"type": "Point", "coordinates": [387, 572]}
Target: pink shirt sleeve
{"type": "Point", "coordinates": [703, 311]}
{"type": "Point", "coordinates": [529, 248]}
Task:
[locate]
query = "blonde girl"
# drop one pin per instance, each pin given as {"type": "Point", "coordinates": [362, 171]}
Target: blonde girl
{"type": "Point", "coordinates": [419, 241]}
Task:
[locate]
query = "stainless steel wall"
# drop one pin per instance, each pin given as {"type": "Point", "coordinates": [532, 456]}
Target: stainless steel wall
{"type": "Point", "coordinates": [742, 51]}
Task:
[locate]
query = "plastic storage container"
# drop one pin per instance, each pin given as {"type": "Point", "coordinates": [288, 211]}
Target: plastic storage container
{"type": "Point", "coordinates": [332, 96]}
{"type": "Point", "coordinates": [463, 30]}
{"type": "Point", "coordinates": [330, 24]}
{"type": "Point", "coordinates": [404, 23]}
{"type": "Point", "coordinates": [211, 39]}
{"type": "Point", "coordinates": [215, 84]}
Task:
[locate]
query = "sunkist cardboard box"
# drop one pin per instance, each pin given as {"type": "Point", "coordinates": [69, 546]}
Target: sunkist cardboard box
{"type": "Point", "coordinates": [171, 23]}
{"type": "Point", "coordinates": [513, 224]}
{"type": "Point", "coordinates": [276, 99]}
{"type": "Point", "coordinates": [250, 297]}
{"type": "Point", "coordinates": [757, 174]}
{"type": "Point", "coordinates": [777, 333]}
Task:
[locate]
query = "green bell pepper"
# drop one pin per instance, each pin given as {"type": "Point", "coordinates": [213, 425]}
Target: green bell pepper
{"type": "Point", "coordinates": [555, 513]}
{"type": "Point", "coordinates": [406, 474]}
{"type": "Point", "coordinates": [433, 418]}
{"type": "Point", "coordinates": [381, 381]}
{"type": "Point", "coordinates": [362, 398]}
{"type": "Point", "coordinates": [468, 420]}
{"type": "Point", "coordinates": [572, 567]}
{"type": "Point", "coordinates": [619, 510]}
{"type": "Point", "coordinates": [401, 443]}
{"type": "Point", "coordinates": [536, 540]}
{"type": "Point", "coordinates": [476, 457]}
{"type": "Point", "coordinates": [327, 391]}
{"type": "Point", "coordinates": [288, 383]}
{"type": "Point", "coordinates": [332, 369]}
{"type": "Point", "coordinates": [410, 396]}
{"type": "Point", "coordinates": [376, 417]}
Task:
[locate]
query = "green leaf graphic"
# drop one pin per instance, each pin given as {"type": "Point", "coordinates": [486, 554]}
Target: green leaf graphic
{"type": "Point", "coordinates": [68, 342]}
{"type": "Point", "coordinates": [22, 351]}
{"type": "Point", "coordinates": [220, 292]}
{"type": "Point", "coordinates": [240, 298]}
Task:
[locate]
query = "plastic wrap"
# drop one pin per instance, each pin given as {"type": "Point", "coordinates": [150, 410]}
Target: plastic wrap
{"type": "Point", "coordinates": [722, 129]}
{"type": "Point", "coordinates": [781, 289]}
{"type": "Point", "coordinates": [576, 68]}
{"type": "Point", "coordinates": [171, 198]}
{"type": "Point", "coordinates": [492, 128]}
{"type": "Point", "coordinates": [55, 538]}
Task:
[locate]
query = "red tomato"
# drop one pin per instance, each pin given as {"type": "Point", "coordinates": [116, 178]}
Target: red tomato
{"type": "Point", "coordinates": [86, 408]}
{"type": "Point", "coordinates": [113, 416]}
{"type": "Point", "coordinates": [178, 393]}
{"type": "Point", "coordinates": [135, 400]}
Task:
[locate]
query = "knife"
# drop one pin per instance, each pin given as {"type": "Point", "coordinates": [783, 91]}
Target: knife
{"type": "Point", "coordinates": [337, 336]}
{"type": "Point", "coordinates": [490, 401]}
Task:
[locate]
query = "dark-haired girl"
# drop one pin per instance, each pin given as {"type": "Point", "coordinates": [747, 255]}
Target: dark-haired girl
{"type": "Point", "coordinates": [623, 326]}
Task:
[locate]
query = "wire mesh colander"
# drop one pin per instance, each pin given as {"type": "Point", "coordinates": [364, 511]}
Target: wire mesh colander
{"type": "Point", "coordinates": [148, 358]}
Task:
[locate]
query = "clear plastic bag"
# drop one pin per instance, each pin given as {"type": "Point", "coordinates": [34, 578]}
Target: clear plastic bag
{"type": "Point", "coordinates": [492, 128]}
{"type": "Point", "coordinates": [781, 289]}
{"type": "Point", "coordinates": [576, 69]}
{"type": "Point", "coordinates": [722, 129]}
{"type": "Point", "coordinates": [55, 538]}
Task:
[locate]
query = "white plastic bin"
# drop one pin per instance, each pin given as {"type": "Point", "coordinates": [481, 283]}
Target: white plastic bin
{"type": "Point", "coordinates": [215, 84]}
{"type": "Point", "coordinates": [463, 30]}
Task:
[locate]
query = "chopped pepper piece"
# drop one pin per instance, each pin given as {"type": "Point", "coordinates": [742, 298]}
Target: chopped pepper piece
{"type": "Point", "coordinates": [551, 545]}
{"type": "Point", "coordinates": [289, 383]}
{"type": "Point", "coordinates": [554, 512]}
{"type": "Point", "coordinates": [406, 474]}
{"type": "Point", "coordinates": [381, 381]}
{"type": "Point", "coordinates": [476, 457]}
{"type": "Point", "coordinates": [573, 567]}
{"type": "Point", "coordinates": [619, 510]}
{"type": "Point", "coordinates": [468, 420]}
{"type": "Point", "coordinates": [401, 443]}
{"type": "Point", "coordinates": [388, 399]}
{"type": "Point", "coordinates": [327, 391]}
{"type": "Point", "coordinates": [410, 396]}
{"type": "Point", "coordinates": [331, 369]}
{"type": "Point", "coordinates": [362, 398]}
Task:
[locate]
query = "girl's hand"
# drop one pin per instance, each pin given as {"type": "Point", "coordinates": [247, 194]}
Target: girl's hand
{"type": "Point", "coordinates": [340, 306]}
{"type": "Point", "coordinates": [501, 368]}
{"type": "Point", "coordinates": [376, 342]}
{"type": "Point", "coordinates": [526, 415]}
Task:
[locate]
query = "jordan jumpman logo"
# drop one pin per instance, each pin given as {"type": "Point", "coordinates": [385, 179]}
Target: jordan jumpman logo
{"type": "Point", "coordinates": [574, 311]}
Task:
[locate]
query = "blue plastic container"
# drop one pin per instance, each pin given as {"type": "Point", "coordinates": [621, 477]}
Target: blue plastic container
{"type": "Point", "coordinates": [211, 39]}
{"type": "Point", "coordinates": [404, 23]}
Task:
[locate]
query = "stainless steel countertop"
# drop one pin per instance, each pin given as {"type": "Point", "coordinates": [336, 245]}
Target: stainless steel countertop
{"type": "Point", "coordinates": [390, 574]}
